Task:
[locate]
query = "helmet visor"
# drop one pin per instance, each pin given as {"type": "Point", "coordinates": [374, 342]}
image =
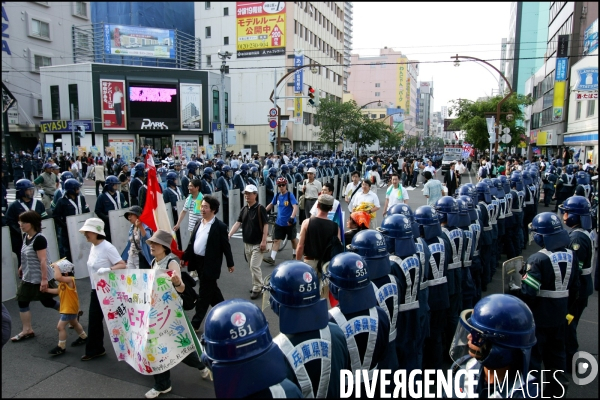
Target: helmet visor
{"type": "Point", "coordinates": [468, 340]}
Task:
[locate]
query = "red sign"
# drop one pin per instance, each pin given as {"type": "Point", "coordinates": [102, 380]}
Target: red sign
{"type": "Point", "coordinates": [113, 104]}
{"type": "Point", "coordinates": [587, 96]}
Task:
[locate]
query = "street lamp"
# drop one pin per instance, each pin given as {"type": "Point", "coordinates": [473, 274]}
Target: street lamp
{"type": "Point", "coordinates": [376, 101]}
{"type": "Point", "coordinates": [224, 70]}
{"type": "Point", "coordinates": [510, 92]}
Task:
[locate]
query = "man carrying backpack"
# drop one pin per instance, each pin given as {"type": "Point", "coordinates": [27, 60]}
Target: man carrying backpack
{"type": "Point", "coordinates": [253, 220]}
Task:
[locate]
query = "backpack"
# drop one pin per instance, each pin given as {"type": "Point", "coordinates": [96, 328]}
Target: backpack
{"type": "Point", "coordinates": [484, 172]}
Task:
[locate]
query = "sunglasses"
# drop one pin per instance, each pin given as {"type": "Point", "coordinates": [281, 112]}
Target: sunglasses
{"type": "Point", "coordinates": [283, 185]}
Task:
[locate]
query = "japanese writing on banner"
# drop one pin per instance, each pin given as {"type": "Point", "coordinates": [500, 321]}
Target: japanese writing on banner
{"type": "Point", "coordinates": [145, 319]}
{"type": "Point", "coordinates": [113, 104]}
{"type": "Point", "coordinates": [260, 28]}
{"type": "Point", "coordinates": [298, 75]}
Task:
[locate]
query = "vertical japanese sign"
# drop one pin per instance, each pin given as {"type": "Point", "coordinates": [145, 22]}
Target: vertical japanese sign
{"type": "Point", "coordinates": [113, 104]}
{"type": "Point", "coordinates": [260, 28]}
{"type": "Point", "coordinates": [191, 107]}
{"type": "Point", "coordinates": [560, 78]}
{"type": "Point", "coordinates": [298, 110]}
{"type": "Point", "coordinates": [298, 75]}
{"type": "Point", "coordinates": [145, 319]}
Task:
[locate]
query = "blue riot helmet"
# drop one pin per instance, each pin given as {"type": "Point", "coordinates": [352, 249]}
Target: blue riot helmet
{"type": "Point", "coordinates": [300, 168]}
{"type": "Point", "coordinates": [254, 171]}
{"type": "Point", "coordinates": [173, 179]}
{"type": "Point", "coordinates": [527, 179]}
{"type": "Point", "coordinates": [71, 186]}
{"type": "Point", "coordinates": [349, 282]}
{"type": "Point", "coordinates": [549, 232]}
{"type": "Point", "coordinates": [583, 178]}
{"type": "Point", "coordinates": [46, 165]}
{"type": "Point", "coordinates": [22, 186]}
{"type": "Point", "coordinates": [516, 180]}
{"type": "Point", "coordinates": [285, 169]}
{"type": "Point", "coordinates": [552, 169]}
{"type": "Point", "coordinates": [220, 164]}
{"type": "Point", "coordinates": [499, 188]}
{"type": "Point", "coordinates": [468, 189]}
{"type": "Point", "coordinates": [208, 173]}
{"type": "Point", "coordinates": [429, 222]}
{"type": "Point", "coordinates": [505, 184]}
{"type": "Point", "coordinates": [269, 163]}
{"type": "Point", "coordinates": [493, 191]}
{"type": "Point", "coordinates": [338, 163]}
{"type": "Point", "coordinates": [502, 326]}
{"type": "Point", "coordinates": [447, 208]}
{"type": "Point", "coordinates": [347, 163]}
{"type": "Point", "coordinates": [398, 228]}
{"type": "Point", "coordinates": [64, 176]}
{"type": "Point", "coordinates": [483, 193]}
{"type": "Point", "coordinates": [405, 210]}
{"type": "Point", "coordinates": [464, 217]}
{"type": "Point", "coordinates": [192, 167]}
{"type": "Point", "coordinates": [559, 171]}
{"type": "Point", "coordinates": [569, 169]}
{"type": "Point", "coordinates": [238, 345]}
{"type": "Point", "coordinates": [578, 212]}
{"type": "Point", "coordinates": [321, 163]}
{"type": "Point", "coordinates": [371, 245]}
{"type": "Point", "coordinates": [110, 183]}
{"type": "Point", "coordinates": [162, 173]}
{"type": "Point", "coordinates": [225, 169]}
{"type": "Point", "coordinates": [273, 171]}
{"type": "Point", "coordinates": [295, 297]}
{"type": "Point", "coordinates": [468, 200]}
{"type": "Point", "coordinates": [326, 164]}
{"type": "Point", "coordinates": [245, 168]}
{"type": "Point", "coordinates": [139, 170]}
{"type": "Point", "coordinates": [354, 160]}
{"type": "Point", "coordinates": [315, 162]}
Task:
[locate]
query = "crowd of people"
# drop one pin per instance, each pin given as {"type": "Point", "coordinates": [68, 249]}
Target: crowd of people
{"type": "Point", "coordinates": [401, 291]}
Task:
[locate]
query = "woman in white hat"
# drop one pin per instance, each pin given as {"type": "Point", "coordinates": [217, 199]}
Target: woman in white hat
{"type": "Point", "coordinates": [160, 248]}
{"type": "Point", "coordinates": [103, 258]}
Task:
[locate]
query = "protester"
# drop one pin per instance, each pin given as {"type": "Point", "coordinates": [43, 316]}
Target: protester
{"type": "Point", "coordinates": [137, 252]}
{"type": "Point", "coordinates": [285, 224]}
{"type": "Point", "coordinates": [33, 271]}
{"type": "Point", "coordinates": [103, 257]}
{"type": "Point", "coordinates": [99, 172]}
{"type": "Point", "coordinates": [357, 221]}
{"type": "Point", "coordinates": [193, 205]}
{"type": "Point", "coordinates": [432, 190]}
{"type": "Point", "coordinates": [311, 189]}
{"type": "Point", "coordinates": [395, 194]}
{"type": "Point", "coordinates": [366, 200]}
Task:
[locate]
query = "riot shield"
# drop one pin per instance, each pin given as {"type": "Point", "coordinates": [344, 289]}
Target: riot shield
{"type": "Point", "coordinates": [119, 228]}
{"type": "Point", "coordinates": [335, 186]}
{"type": "Point", "coordinates": [262, 195]}
{"type": "Point", "coordinates": [234, 206]}
{"type": "Point", "coordinates": [511, 274]}
{"type": "Point", "coordinates": [49, 232]}
{"type": "Point", "coordinates": [219, 196]}
{"type": "Point", "coordinates": [184, 226]}
{"type": "Point", "coordinates": [9, 267]}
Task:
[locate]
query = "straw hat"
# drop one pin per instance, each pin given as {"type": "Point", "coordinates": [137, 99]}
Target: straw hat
{"type": "Point", "coordinates": [95, 225]}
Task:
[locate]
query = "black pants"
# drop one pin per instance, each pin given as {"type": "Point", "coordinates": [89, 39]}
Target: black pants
{"type": "Point", "coordinates": [118, 113]}
{"type": "Point", "coordinates": [486, 260]}
{"type": "Point", "coordinates": [98, 184]}
{"type": "Point", "coordinates": [550, 348]}
{"type": "Point", "coordinates": [548, 193]}
{"type": "Point", "coordinates": [308, 204]}
{"type": "Point", "coordinates": [162, 381]}
{"type": "Point", "coordinates": [433, 347]}
{"type": "Point", "coordinates": [210, 295]}
{"type": "Point", "coordinates": [95, 341]}
{"type": "Point", "coordinates": [572, 345]}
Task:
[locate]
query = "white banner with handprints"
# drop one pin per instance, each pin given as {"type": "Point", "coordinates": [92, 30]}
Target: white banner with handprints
{"type": "Point", "coordinates": [145, 319]}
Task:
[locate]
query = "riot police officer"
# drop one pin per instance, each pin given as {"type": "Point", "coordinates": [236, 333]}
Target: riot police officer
{"type": "Point", "coordinates": [59, 193]}
{"type": "Point", "coordinates": [192, 171]}
{"type": "Point", "coordinates": [207, 187]}
{"type": "Point", "coordinates": [109, 199]}
{"type": "Point", "coordinates": [576, 215]}
{"type": "Point", "coordinates": [486, 210]}
{"type": "Point", "coordinates": [565, 187]}
{"type": "Point", "coordinates": [315, 350]}
{"type": "Point", "coordinates": [365, 325]}
{"type": "Point", "coordinates": [270, 184]}
{"type": "Point", "coordinates": [243, 355]}
{"type": "Point", "coordinates": [494, 212]}
{"type": "Point", "coordinates": [510, 220]}
{"type": "Point", "coordinates": [517, 189]}
{"type": "Point", "coordinates": [529, 202]}
{"type": "Point", "coordinates": [495, 336]}
{"type": "Point", "coordinates": [549, 180]}
{"type": "Point", "coordinates": [72, 203]}
{"type": "Point", "coordinates": [550, 284]}
{"type": "Point", "coordinates": [584, 187]}
{"type": "Point", "coordinates": [171, 195]}
{"type": "Point", "coordinates": [500, 217]}
{"type": "Point", "coordinates": [224, 184]}
{"type": "Point", "coordinates": [472, 246]}
{"type": "Point", "coordinates": [285, 172]}
{"type": "Point", "coordinates": [136, 183]}
{"type": "Point", "coordinates": [253, 178]}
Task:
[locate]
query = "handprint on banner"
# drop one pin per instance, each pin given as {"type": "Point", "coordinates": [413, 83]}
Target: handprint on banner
{"type": "Point", "coordinates": [177, 326]}
{"type": "Point", "coordinates": [134, 280]}
{"type": "Point", "coordinates": [126, 324]}
{"type": "Point", "coordinates": [163, 349]}
{"type": "Point", "coordinates": [115, 339]}
{"type": "Point", "coordinates": [162, 284]}
{"type": "Point", "coordinates": [122, 339]}
{"type": "Point", "coordinates": [152, 331]}
{"type": "Point", "coordinates": [154, 299]}
{"type": "Point", "coordinates": [111, 315]}
{"type": "Point", "coordinates": [153, 313]}
{"type": "Point", "coordinates": [166, 297]}
{"type": "Point", "coordinates": [178, 313]}
{"type": "Point", "coordinates": [129, 283]}
{"type": "Point", "coordinates": [145, 278]}
{"type": "Point", "coordinates": [139, 356]}
{"type": "Point", "coordinates": [122, 277]}
{"type": "Point", "coordinates": [148, 368]}
{"type": "Point", "coordinates": [183, 340]}
{"type": "Point", "coordinates": [150, 357]}
{"type": "Point", "coordinates": [131, 342]}
{"type": "Point", "coordinates": [122, 356]}
{"type": "Point", "coordinates": [108, 301]}
{"type": "Point", "coordinates": [121, 346]}
{"type": "Point", "coordinates": [112, 279]}
{"type": "Point", "coordinates": [102, 285]}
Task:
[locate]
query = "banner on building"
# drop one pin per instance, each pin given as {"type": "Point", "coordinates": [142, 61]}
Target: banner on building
{"type": "Point", "coordinates": [298, 75]}
{"type": "Point", "coordinates": [587, 79]}
{"type": "Point", "coordinates": [139, 41]}
{"type": "Point", "coordinates": [145, 319]}
{"type": "Point", "coordinates": [260, 28]}
{"type": "Point", "coordinates": [298, 111]}
{"type": "Point", "coordinates": [590, 38]}
{"type": "Point", "coordinates": [560, 78]}
{"type": "Point", "coordinates": [191, 106]}
{"type": "Point", "coordinates": [186, 148]}
{"type": "Point", "coordinates": [114, 115]}
{"type": "Point", "coordinates": [124, 147]}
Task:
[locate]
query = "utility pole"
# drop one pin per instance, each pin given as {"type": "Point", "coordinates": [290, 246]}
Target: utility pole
{"type": "Point", "coordinates": [72, 132]}
{"type": "Point", "coordinates": [224, 69]}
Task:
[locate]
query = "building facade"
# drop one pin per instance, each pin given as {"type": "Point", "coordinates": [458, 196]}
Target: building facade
{"type": "Point", "coordinates": [424, 117]}
{"type": "Point", "coordinates": [348, 12]}
{"type": "Point", "coordinates": [262, 58]}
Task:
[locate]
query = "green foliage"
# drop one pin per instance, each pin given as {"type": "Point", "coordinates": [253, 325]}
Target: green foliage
{"type": "Point", "coordinates": [390, 139]}
{"type": "Point", "coordinates": [470, 117]}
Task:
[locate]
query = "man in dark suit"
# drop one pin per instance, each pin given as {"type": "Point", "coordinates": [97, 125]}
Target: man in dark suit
{"type": "Point", "coordinates": [204, 253]}
{"type": "Point", "coordinates": [451, 179]}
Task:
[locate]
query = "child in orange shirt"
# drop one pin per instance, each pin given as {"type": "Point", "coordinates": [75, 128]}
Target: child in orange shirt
{"type": "Point", "coordinates": [69, 306]}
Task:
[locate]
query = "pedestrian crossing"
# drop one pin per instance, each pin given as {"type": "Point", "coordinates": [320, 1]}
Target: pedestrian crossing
{"type": "Point", "coordinates": [12, 194]}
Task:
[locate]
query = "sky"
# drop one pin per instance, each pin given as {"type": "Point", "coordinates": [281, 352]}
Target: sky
{"type": "Point", "coordinates": [433, 32]}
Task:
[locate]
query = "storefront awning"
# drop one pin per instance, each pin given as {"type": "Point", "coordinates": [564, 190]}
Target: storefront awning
{"type": "Point", "coordinates": [585, 138]}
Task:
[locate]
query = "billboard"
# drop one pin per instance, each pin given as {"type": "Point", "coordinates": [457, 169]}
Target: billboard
{"type": "Point", "coordinates": [139, 41]}
{"type": "Point", "coordinates": [260, 28]}
{"type": "Point", "coordinates": [191, 106]}
{"type": "Point", "coordinates": [153, 106]}
{"type": "Point", "coordinates": [590, 38]}
{"type": "Point", "coordinates": [113, 107]}
{"type": "Point", "coordinates": [123, 147]}
{"type": "Point", "coordinates": [560, 78]}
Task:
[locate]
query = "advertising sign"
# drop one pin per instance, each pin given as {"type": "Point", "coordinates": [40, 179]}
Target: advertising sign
{"type": "Point", "coordinates": [113, 104]}
{"type": "Point", "coordinates": [298, 75]}
{"type": "Point", "coordinates": [260, 28]}
{"type": "Point", "coordinates": [124, 147]}
{"type": "Point", "coordinates": [145, 320]}
{"type": "Point", "coordinates": [153, 106]}
{"type": "Point", "coordinates": [139, 41]}
{"type": "Point", "coordinates": [64, 125]}
{"type": "Point", "coordinates": [298, 111]}
{"type": "Point", "coordinates": [561, 69]}
{"type": "Point", "coordinates": [587, 79]}
{"type": "Point", "coordinates": [590, 38]}
{"type": "Point", "coordinates": [191, 106]}
{"type": "Point", "coordinates": [560, 78]}
{"type": "Point", "coordinates": [186, 148]}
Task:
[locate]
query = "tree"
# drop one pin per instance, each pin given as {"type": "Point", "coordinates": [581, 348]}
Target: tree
{"type": "Point", "coordinates": [470, 117]}
{"type": "Point", "coordinates": [390, 139]}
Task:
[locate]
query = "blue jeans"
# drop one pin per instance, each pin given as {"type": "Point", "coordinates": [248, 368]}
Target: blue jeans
{"type": "Point", "coordinates": [414, 179]}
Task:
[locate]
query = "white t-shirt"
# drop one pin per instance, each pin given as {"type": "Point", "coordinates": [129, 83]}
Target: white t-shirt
{"type": "Point", "coordinates": [117, 97]}
{"type": "Point", "coordinates": [461, 168]}
{"type": "Point", "coordinates": [350, 188]}
{"type": "Point", "coordinates": [431, 169]}
{"type": "Point", "coordinates": [392, 196]}
{"type": "Point", "coordinates": [314, 211]}
{"type": "Point", "coordinates": [104, 255]}
{"type": "Point", "coordinates": [361, 197]}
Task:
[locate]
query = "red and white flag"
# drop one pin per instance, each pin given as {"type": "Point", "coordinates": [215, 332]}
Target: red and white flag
{"type": "Point", "coordinates": [155, 212]}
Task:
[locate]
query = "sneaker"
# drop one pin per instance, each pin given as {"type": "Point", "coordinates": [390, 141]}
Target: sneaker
{"type": "Point", "coordinates": [269, 260]}
{"type": "Point", "coordinates": [57, 351]}
{"type": "Point", "coordinates": [153, 393]}
{"type": "Point", "coordinates": [79, 342]}
{"type": "Point", "coordinates": [88, 358]}
{"type": "Point", "coordinates": [205, 373]}
{"type": "Point", "coordinates": [255, 295]}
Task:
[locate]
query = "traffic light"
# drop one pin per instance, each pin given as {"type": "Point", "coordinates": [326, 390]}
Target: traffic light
{"type": "Point", "coordinates": [81, 131]}
{"type": "Point", "coordinates": [311, 94]}
{"type": "Point", "coordinates": [271, 136]}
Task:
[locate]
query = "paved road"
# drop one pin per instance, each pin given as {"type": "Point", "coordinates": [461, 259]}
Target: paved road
{"type": "Point", "coordinates": [28, 371]}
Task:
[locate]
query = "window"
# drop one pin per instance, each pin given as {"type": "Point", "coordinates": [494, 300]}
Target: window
{"type": "Point", "coordinates": [226, 108]}
{"type": "Point", "coordinates": [55, 102]}
{"type": "Point", "coordinates": [578, 111]}
{"type": "Point", "coordinates": [207, 32]}
{"type": "Point", "coordinates": [591, 108]}
{"type": "Point", "coordinates": [381, 115]}
{"type": "Point", "coordinates": [208, 61]}
{"type": "Point", "coordinates": [216, 114]}
{"type": "Point", "coordinates": [41, 61]}
{"type": "Point", "coordinates": [226, 40]}
{"type": "Point", "coordinates": [81, 8]}
{"type": "Point", "coordinates": [373, 116]}
{"type": "Point", "coordinates": [226, 11]}
{"type": "Point", "coordinates": [207, 5]}
{"type": "Point", "coordinates": [377, 94]}
{"type": "Point", "coordinates": [378, 85]}
{"type": "Point", "coordinates": [74, 100]}
{"type": "Point", "coordinates": [40, 110]}
{"type": "Point", "coordinates": [40, 29]}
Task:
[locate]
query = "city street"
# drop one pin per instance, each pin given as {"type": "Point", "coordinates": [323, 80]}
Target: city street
{"type": "Point", "coordinates": [28, 370]}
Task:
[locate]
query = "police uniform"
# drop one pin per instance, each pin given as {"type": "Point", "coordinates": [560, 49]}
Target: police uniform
{"type": "Point", "coordinates": [565, 188]}
{"type": "Point", "coordinates": [519, 213]}
{"type": "Point", "coordinates": [134, 189]}
{"type": "Point", "coordinates": [64, 208]}
{"type": "Point", "coordinates": [528, 209]}
{"type": "Point", "coordinates": [224, 184]}
{"type": "Point", "coordinates": [549, 184]}
{"type": "Point", "coordinates": [486, 243]}
{"type": "Point", "coordinates": [185, 181]}
{"type": "Point", "coordinates": [494, 211]}
{"type": "Point", "coordinates": [107, 202]}
{"type": "Point", "coordinates": [270, 187]}
{"type": "Point", "coordinates": [454, 239]}
{"type": "Point", "coordinates": [509, 224]}
{"type": "Point", "coordinates": [15, 209]}
{"type": "Point", "coordinates": [472, 259]}
{"type": "Point", "coordinates": [207, 187]}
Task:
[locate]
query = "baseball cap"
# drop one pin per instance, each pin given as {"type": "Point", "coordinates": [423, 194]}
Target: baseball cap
{"type": "Point", "coordinates": [312, 171]}
{"type": "Point", "coordinates": [326, 199]}
{"type": "Point", "coordinates": [250, 189]}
